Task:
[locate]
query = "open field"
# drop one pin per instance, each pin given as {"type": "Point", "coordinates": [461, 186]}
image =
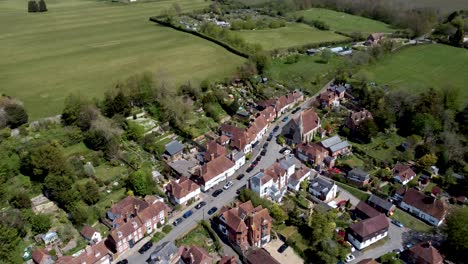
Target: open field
{"type": "Point", "coordinates": [444, 6]}
{"type": "Point", "coordinates": [417, 68]}
{"type": "Point", "coordinates": [294, 34]}
{"type": "Point", "coordinates": [86, 46]}
{"type": "Point", "coordinates": [343, 22]}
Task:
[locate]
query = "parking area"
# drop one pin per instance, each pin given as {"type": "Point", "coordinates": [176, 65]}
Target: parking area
{"type": "Point", "coordinates": [288, 256]}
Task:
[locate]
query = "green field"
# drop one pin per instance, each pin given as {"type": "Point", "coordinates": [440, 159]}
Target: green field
{"type": "Point", "coordinates": [343, 22]}
{"type": "Point", "coordinates": [86, 46]}
{"type": "Point", "coordinates": [417, 68]}
{"type": "Point", "coordinates": [294, 34]}
{"type": "Point", "coordinates": [441, 5]}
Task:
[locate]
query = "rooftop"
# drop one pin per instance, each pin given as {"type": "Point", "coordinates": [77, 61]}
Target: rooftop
{"type": "Point", "coordinates": [428, 204]}
{"type": "Point", "coordinates": [174, 147]}
{"type": "Point", "coordinates": [370, 226]}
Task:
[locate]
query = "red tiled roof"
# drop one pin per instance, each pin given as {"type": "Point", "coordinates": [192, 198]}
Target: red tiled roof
{"type": "Point", "coordinates": [228, 260]}
{"type": "Point", "coordinates": [258, 124]}
{"type": "Point", "coordinates": [273, 172]}
{"type": "Point", "coordinates": [152, 211]}
{"type": "Point", "coordinates": [370, 226]}
{"type": "Point", "coordinates": [215, 167]}
{"type": "Point", "coordinates": [404, 171]}
{"type": "Point", "coordinates": [195, 255]}
{"type": "Point", "coordinates": [310, 120]}
{"type": "Point", "coordinates": [312, 149]}
{"type": "Point", "coordinates": [367, 209]}
{"type": "Point", "coordinates": [126, 229]}
{"type": "Point", "coordinates": [92, 254]}
{"type": "Point", "coordinates": [426, 252]}
{"type": "Point", "coordinates": [427, 204]}
{"type": "Point", "coordinates": [39, 254]}
{"type": "Point", "coordinates": [87, 231]}
{"type": "Point", "coordinates": [268, 113]}
{"type": "Point", "coordinates": [298, 174]}
{"type": "Point", "coordinates": [214, 150]}
{"type": "Point", "coordinates": [222, 139]}
{"type": "Point", "coordinates": [359, 116]}
{"type": "Point", "coordinates": [368, 261]}
{"type": "Point", "coordinates": [127, 206]}
{"type": "Point", "coordinates": [182, 188]}
{"type": "Point", "coordinates": [260, 256]}
{"type": "Point", "coordinates": [233, 216]}
{"type": "Point", "coordinates": [66, 260]}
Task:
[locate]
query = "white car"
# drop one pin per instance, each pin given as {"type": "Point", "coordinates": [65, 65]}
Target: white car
{"type": "Point", "coordinates": [349, 258]}
{"type": "Point", "coordinates": [227, 185]}
{"type": "Point", "coordinates": [287, 152]}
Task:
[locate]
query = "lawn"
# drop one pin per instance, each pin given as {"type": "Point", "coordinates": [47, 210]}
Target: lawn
{"type": "Point", "coordinates": [415, 69]}
{"type": "Point", "coordinates": [196, 237]}
{"type": "Point", "coordinates": [443, 6]}
{"type": "Point", "coordinates": [382, 147]}
{"type": "Point", "coordinates": [87, 46]}
{"type": "Point", "coordinates": [294, 34]}
{"type": "Point", "coordinates": [108, 173]}
{"type": "Point", "coordinates": [361, 195]}
{"type": "Point", "coordinates": [292, 235]}
{"type": "Point", "coordinates": [411, 222]}
{"type": "Point", "coordinates": [342, 22]}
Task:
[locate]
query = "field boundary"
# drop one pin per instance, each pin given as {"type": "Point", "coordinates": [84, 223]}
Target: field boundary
{"type": "Point", "coordinates": [198, 34]}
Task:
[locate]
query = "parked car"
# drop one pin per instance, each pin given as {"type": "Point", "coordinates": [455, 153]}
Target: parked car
{"type": "Point", "coordinates": [397, 223]}
{"type": "Point", "coordinates": [217, 192]}
{"type": "Point", "coordinates": [276, 128]}
{"type": "Point", "coordinates": [240, 177]}
{"type": "Point", "coordinates": [145, 247]}
{"type": "Point", "coordinates": [212, 210]}
{"type": "Point", "coordinates": [177, 221]}
{"type": "Point", "coordinates": [241, 188]}
{"type": "Point", "coordinates": [296, 110]}
{"type": "Point", "coordinates": [284, 150]}
{"type": "Point", "coordinates": [270, 137]}
{"type": "Point", "coordinates": [349, 257]}
{"type": "Point", "coordinates": [200, 205]}
{"type": "Point", "coordinates": [258, 158]}
{"type": "Point", "coordinates": [265, 145]}
{"type": "Point", "coordinates": [285, 119]}
{"type": "Point", "coordinates": [187, 214]}
{"type": "Point", "coordinates": [287, 152]}
{"type": "Point", "coordinates": [283, 248]}
{"type": "Point", "coordinates": [228, 185]}
{"type": "Point", "coordinates": [263, 153]}
{"type": "Point", "coordinates": [249, 169]}
{"type": "Point", "coordinates": [123, 261]}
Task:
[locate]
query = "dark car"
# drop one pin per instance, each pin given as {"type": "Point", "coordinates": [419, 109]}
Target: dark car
{"type": "Point", "coordinates": [212, 210]}
{"type": "Point", "coordinates": [200, 205]}
{"type": "Point", "coordinates": [265, 145]}
{"type": "Point", "coordinates": [217, 192]}
{"type": "Point", "coordinates": [187, 214]}
{"type": "Point", "coordinates": [249, 169]}
{"type": "Point", "coordinates": [285, 119]}
{"type": "Point", "coordinates": [276, 128]}
{"type": "Point", "coordinates": [282, 248]}
{"type": "Point", "coordinates": [177, 221]}
{"type": "Point", "coordinates": [397, 223]}
{"type": "Point", "coordinates": [258, 158]}
{"type": "Point", "coordinates": [263, 153]}
{"type": "Point", "coordinates": [270, 137]}
{"type": "Point", "coordinates": [296, 110]}
{"type": "Point", "coordinates": [240, 176]}
{"type": "Point", "coordinates": [241, 188]}
{"type": "Point", "coordinates": [255, 163]}
{"type": "Point", "coordinates": [145, 247]}
{"type": "Point", "coordinates": [123, 261]}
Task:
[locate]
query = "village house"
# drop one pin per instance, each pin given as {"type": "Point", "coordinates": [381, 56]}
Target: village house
{"type": "Point", "coordinates": [272, 182]}
{"type": "Point", "coordinates": [302, 128]}
{"type": "Point", "coordinates": [215, 172]}
{"type": "Point", "coordinates": [282, 103]}
{"type": "Point", "coordinates": [368, 231]}
{"type": "Point", "coordinates": [358, 177]}
{"type": "Point", "coordinates": [195, 255]}
{"type": "Point", "coordinates": [245, 226]}
{"type": "Point", "coordinates": [223, 140]}
{"type": "Point", "coordinates": [261, 256]}
{"type": "Point", "coordinates": [322, 188]}
{"type": "Point", "coordinates": [90, 234]}
{"type": "Point", "coordinates": [214, 150]}
{"type": "Point", "coordinates": [184, 168]}
{"type": "Point", "coordinates": [427, 208]}
{"type": "Point", "coordinates": [131, 219]}
{"type": "Point", "coordinates": [365, 211]}
{"type": "Point", "coordinates": [40, 256]}
{"type": "Point", "coordinates": [381, 205]}
{"type": "Point", "coordinates": [312, 153]}
{"type": "Point", "coordinates": [336, 146]}
{"type": "Point", "coordinates": [355, 119]}
{"type": "Point", "coordinates": [228, 260]}
{"type": "Point", "coordinates": [328, 99]}
{"type": "Point", "coordinates": [422, 253]}
{"type": "Point", "coordinates": [374, 39]}
{"type": "Point", "coordinates": [300, 175]}
{"type": "Point", "coordinates": [182, 190]}
{"type": "Point", "coordinates": [166, 253]}
{"type": "Point", "coordinates": [95, 254]}
{"type": "Point", "coordinates": [173, 150]}
{"type": "Point", "coordinates": [238, 157]}
{"type": "Point", "coordinates": [403, 173]}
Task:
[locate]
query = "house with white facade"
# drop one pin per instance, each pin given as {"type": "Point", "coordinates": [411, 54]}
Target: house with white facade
{"type": "Point", "coordinates": [90, 234]}
{"type": "Point", "coordinates": [403, 173]}
{"type": "Point", "coordinates": [300, 175]}
{"type": "Point", "coordinates": [323, 188]}
{"type": "Point", "coordinates": [214, 172]}
{"type": "Point", "coordinates": [238, 157]}
{"type": "Point", "coordinates": [272, 182]}
{"type": "Point", "coordinates": [368, 231]}
{"type": "Point", "coordinates": [425, 207]}
{"type": "Point", "coordinates": [182, 190]}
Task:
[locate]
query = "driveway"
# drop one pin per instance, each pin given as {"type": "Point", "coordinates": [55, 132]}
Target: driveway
{"type": "Point", "coordinates": [288, 256]}
{"type": "Point", "coordinates": [345, 195]}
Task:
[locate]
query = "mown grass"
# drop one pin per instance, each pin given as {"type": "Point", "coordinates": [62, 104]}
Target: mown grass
{"type": "Point", "coordinates": [196, 237]}
{"type": "Point", "coordinates": [294, 34]}
{"type": "Point", "coordinates": [361, 195]}
{"type": "Point", "coordinates": [342, 22]}
{"type": "Point", "coordinates": [86, 46]}
{"type": "Point", "coordinates": [415, 69]}
{"type": "Point", "coordinates": [411, 222]}
{"type": "Point", "coordinates": [383, 147]}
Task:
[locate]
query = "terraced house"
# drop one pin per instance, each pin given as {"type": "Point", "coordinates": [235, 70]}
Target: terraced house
{"type": "Point", "coordinates": [427, 208]}
{"type": "Point", "coordinates": [214, 172]}
{"type": "Point", "coordinates": [182, 190]}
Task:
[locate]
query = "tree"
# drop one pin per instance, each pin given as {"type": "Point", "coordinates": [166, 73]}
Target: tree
{"type": "Point", "coordinates": [20, 201]}
{"type": "Point", "coordinates": [141, 183]}
{"type": "Point", "coordinates": [40, 223]}
{"type": "Point", "coordinates": [45, 159]}
{"type": "Point", "coordinates": [16, 115]}
{"type": "Point", "coordinates": [42, 6]}
{"type": "Point", "coordinates": [390, 258]}
{"type": "Point", "coordinates": [102, 135]}
{"type": "Point", "coordinates": [79, 213]}
{"type": "Point", "coordinates": [60, 188]}
{"type": "Point", "coordinates": [134, 131]}
{"type": "Point", "coordinates": [32, 6]}
{"type": "Point", "coordinates": [457, 232]}
{"type": "Point", "coordinates": [367, 130]}
{"type": "Point", "coordinates": [326, 55]}
{"type": "Point", "coordinates": [281, 140]}
{"type": "Point", "coordinates": [89, 192]}
{"type": "Point", "coordinates": [10, 251]}
{"type": "Point", "coordinates": [277, 213]}
{"type": "Point", "coordinates": [426, 161]}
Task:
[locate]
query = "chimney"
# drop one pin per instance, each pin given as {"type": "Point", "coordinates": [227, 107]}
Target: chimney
{"type": "Point", "coordinates": [88, 250]}
{"type": "Point", "coordinates": [136, 209]}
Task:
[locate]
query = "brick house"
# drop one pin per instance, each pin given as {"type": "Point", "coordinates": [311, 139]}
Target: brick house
{"type": "Point", "coordinates": [96, 254]}
{"type": "Point", "coordinates": [355, 119]}
{"type": "Point", "coordinates": [427, 208]}
{"type": "Point", "coordinates": [182, 190]}
{"type": "Point", "coordinates": [313, 153]}
{"type": "Point", "coordinates": [368, 231]}
{"type": "Point", "coordinates": [358, 177]}
{"type": "Point", "coordinates": [245, 226]}
{"type": "Point", "coordinates": [300, 175]}
{"type": "Point", "coordinates": [403, 173]}
{"type": "Point", "coordinates": [40, 256]}
{"type": "Point", "coordinates": [423, 253]}
{"type": "Point", "coordinates": [374, 39]}
{"type": "Point", "coordinates": [214, 150]}
{"type": "Point", "coordinates": [302, 128]}
{"type": "Point", "coordinates": [214, 172]}
{"type": "Point", "coordinates": [328, 99]}
{"type": "Point", "coordinates": [336, 146]}
{"type": "Point", "coordinates": [195, 255]}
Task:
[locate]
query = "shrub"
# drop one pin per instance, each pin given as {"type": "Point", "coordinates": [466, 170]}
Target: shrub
{"type": "Point", "coordinates": [213, 235]}
{"type": "Point", "coordinates": [167, 229]}
{"type": "Point", "coordinates": [157, 237]}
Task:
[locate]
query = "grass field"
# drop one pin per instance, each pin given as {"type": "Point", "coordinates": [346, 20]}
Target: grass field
{"type": "Point", "coordinates": [411, 222]}
{"type": "Point", "coordinates": [294, 34]}
{"type": "Point", "coordinates": [343, 22]}
{"type": "Point", "coordinates": [441, 5]}
{"type": "Point", "coordinates": [86, 46]}
{"type": "Point", "coordinates": [418, 68]}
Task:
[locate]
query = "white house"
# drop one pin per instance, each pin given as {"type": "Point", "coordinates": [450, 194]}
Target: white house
{"type": "Point", "coordinates": [272, 183]}
{"type": "Point", "coordinates": [369, 231]}
{"type": "Point", "coordinates": [403, 174]}
{"type": "Point", "coordinates": [90, 234]}
{"type": "Point", "coordinates": [425, 207]}
{"type": "Point", "coordinates": [323, 188]}
{"type": "Point", "coordinates": [215, 172]}
{"type": "Point", "coordinates": [182, 190]}
{"type": "Point", "coordinates": [238, 157]}
{"type": "Point", "coordinates": [299, 176]}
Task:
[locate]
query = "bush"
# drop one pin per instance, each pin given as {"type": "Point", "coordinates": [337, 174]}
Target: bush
{"type": "Point", "coordinates": [16, 115]}
{"type": "Point", "coordinates": [157, 237]}
{"type": "Point", "coordinates": [40, 223]}
{"type": "Point", "coordinates": [167, 229]}
{"type": "Point", "coordinates": [213, 235]}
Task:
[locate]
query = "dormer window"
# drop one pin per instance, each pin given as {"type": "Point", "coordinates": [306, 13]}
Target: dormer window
{"type": "Point", "coordinates": [119, 234]}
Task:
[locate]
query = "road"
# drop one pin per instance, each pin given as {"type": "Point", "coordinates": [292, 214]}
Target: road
{"type": "Point", "coordinates": [227, 196]}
